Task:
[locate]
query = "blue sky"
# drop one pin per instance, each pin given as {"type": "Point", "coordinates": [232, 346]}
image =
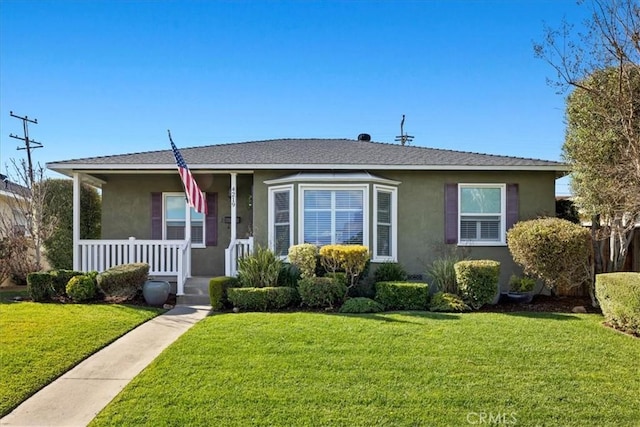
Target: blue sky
{"type": "Point", "coordinates": [110, 77]}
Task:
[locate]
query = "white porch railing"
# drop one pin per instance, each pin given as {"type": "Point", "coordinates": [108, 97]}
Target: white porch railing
{"type": "Point", "coordinates": [236, 250]}
{"type": "Point", "coordinates": [165, 257]}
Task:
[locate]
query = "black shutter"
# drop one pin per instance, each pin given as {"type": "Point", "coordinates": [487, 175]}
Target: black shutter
{"type": "Point", "coordinates": [512, 205]}
{"type": "Point", "coordinates": [450, 213]}
{"type": "Point", "coordinates": [211, 220]}
{"type": "Point", "coordinates": [156, 216]}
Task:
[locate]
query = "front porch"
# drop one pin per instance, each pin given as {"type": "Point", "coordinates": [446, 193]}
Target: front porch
{"type": "Point", "coordinates": [170, 256]}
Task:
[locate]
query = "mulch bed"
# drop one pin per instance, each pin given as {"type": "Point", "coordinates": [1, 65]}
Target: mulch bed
{"type": "Point", "coordinates": [543, 303]}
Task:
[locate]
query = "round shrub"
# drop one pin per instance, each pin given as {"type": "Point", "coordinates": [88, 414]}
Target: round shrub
{"type": "Point", "coordinates": [81, 288]}
{"type": "Point", "coordinates": [361, 305]}
{"type": "Point", "coordinates": [619, 298]}
{"type": "Point", "coordinates": [443, 301]}
{"type": "Point", "coordinates": [478, 281]}
{"type": "Point", "coordinates": [554, 250]}
{"type": "Point", "coordinates": [390, 272]}
{"type": "Point", "coordinates": [402, 295]}
{"type": "Point", "coordinates": [321, 292]}
{"type": "Point", "coordinates": [303, 256]}
{"type": "Point", "coordinates": [123, 282]}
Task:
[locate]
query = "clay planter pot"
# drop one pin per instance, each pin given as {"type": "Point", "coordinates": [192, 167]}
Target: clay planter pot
{"type": "Point", "coordinates": [156, 292]}
{"type": "Point", "coordinates": [520, 297]}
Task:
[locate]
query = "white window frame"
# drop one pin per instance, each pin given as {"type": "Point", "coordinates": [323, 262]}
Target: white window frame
{"type": "Point", "coordinates": [335, 187]}
{"type": "Point", "coordinates": [187, 221]}
{"type": "Point", "coordinates": [272, 219]}
{"type": "Point", "coordinates": [503, 216]}
{"type": "Point", "coordinates": [394, 223]}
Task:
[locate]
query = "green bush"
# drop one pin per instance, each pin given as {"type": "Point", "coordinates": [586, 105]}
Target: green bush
{"type": "Point", "coordinates": [390, 272]}
{"type": "Point", "coordinates": [478, 281]}
{"type": "Point", "coordinates": [442, 274]}
{"type": "Point", "coordinates": [262, 299]}
{"type": "Point", "coordinates": [521, 284]}
{"type": "Point", "coordinates": [442, 301]}
{"type": "Point", "coordinates": [40, 286]}
{"type": "Point", "coordinates": [361, 305]}
{"type": "Point", "coordinates": [320, 292]}
{"type": "Point", "coordinates": [260, 269]}
{"type": "Point", "coordinates": [218, 287]}
{"type": "Point", "coordinates": [289, 275]}
{"type": "Point", "coordinates": [81, 288]}
{"type": "Point", "coordinates": [554, 250]}
{"type": "Point", "coordinates": [303, 256]}
{"type": "Point", "coordinates": [123, 282]}
{"type": "Point", "coordinates": [58, 211]}
{"type": "Point", "coordinates": [619, 298]}
{"type": "Point", "coordinates": [402, 295]}
{"type": "Point", "coordinates": [61, 279]}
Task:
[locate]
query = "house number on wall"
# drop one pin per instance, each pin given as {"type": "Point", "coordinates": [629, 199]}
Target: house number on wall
{"type": "Point", "coordinates": [232, 194]}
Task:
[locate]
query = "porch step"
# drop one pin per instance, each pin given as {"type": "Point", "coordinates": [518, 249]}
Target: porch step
{"type": "Point", "coordinates": [196, 292]}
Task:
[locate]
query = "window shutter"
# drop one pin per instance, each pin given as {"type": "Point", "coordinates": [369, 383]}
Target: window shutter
{"type": "Point", "coordinates": [156, 216]}
{"type": "Point", "coordinates": [512, 205]}
{"type": "Point", "coordinates": [212, 220]}
{"type": "Point", "coordinates": [450, 213]}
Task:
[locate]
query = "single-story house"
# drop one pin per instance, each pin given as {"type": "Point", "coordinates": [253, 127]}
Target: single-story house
{"type": "Point", "coordinates": [398, 200]}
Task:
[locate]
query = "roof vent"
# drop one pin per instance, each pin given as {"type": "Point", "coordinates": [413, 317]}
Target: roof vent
{"type": "Point", "coordinates": [364, 137]}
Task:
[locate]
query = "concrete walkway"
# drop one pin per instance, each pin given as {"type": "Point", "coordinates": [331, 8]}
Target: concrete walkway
{"type": "Point", "coordinates": [76, 397]}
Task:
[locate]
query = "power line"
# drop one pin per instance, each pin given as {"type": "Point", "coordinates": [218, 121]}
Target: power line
{"type": "Point", "coordinates": [29, 144]}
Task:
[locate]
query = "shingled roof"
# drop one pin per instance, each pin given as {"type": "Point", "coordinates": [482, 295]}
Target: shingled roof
{"type": "Point", "coordinates": [308, 154]}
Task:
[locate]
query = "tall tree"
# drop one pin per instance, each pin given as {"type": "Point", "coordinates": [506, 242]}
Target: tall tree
{"type": "Point", "coordinates": [601, 69]}
{"type": "Point", "coordinates": [59, 208]}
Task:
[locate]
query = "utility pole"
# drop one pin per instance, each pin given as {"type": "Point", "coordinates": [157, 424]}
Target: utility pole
{"type": "Point", "coordinates": [403, 138]}
{"type": "Point", "coordinates": [29, 144]}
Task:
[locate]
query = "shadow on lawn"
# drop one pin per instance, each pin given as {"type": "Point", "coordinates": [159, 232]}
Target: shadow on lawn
{"type": "Point", "coordinates": [388, 316]}
{"type": "Point", "coordinates": [543, 315]}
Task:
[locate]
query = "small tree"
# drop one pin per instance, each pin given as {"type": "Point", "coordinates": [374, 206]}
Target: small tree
{"type": "Point", "coordinates": [25, 225]}
{"type": "Point", "coordinates": [554, 250]}
{"type": "Point", "coordinates": [352, 259]}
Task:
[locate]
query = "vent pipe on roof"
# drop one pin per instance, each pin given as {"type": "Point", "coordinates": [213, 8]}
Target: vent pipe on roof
{"type": "Point", "coordinates": [364, 137]}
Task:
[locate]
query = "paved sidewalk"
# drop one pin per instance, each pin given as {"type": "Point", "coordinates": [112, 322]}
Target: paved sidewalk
{"type": "Point", "coordinates": [76, 397]}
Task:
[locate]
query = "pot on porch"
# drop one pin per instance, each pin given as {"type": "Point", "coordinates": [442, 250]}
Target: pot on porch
{"type": "Point", "coordinates": [156, 292]}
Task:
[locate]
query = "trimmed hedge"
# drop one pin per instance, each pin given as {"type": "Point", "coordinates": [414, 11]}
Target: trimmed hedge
{"type": "Point", "coordinates": [81, 288]}
{"type": "Point", "coordinates": [478, 281]}
{"type": "Point", "coordinates": [619, 298]}
{"type": "Point", "coordinates": [402, 295]}
{"type": "Point", "coordinates": [262, 299]}
{"type": "Point", "coordinates": [40, 286]}
{"type": "Point", "coordinates": [321, 292]}
{"type": "Point", "coordinates": [361, 305]}
{"type": "Point", "coordinates": [123, 282]}
{"type": "Point", "coordinates": [442, 301]}
{"type": "Point", "coordinates": [218, 287]}
{"type": "Point", "coordinates": [61, 279]}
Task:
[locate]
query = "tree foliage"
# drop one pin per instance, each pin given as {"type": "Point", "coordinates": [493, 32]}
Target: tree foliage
{"type": "Point", "coordinates": [59, 208]}
{"type": "Point", "coordinates": [601, 66]}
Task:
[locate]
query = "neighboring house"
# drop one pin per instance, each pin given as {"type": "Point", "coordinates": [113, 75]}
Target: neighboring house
{"type": "Point", "coordinates": [12, 207]}
{"type": "Point", "coordinates": [398, 200]}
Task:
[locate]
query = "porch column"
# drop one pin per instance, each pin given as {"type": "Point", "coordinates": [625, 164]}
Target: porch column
{"type": "Point", "coordinates": [76, 221]}
{"type": "Point", "coordinates": [234, 215]}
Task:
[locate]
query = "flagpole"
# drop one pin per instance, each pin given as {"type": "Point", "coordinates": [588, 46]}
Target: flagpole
{"type": "Point", "coordinates": [186, 199]}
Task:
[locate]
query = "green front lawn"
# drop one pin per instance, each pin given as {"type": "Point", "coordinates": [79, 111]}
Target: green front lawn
{"type": "Point", "coordinates": [39, 342]}
{"type": "Point", "coordinates": [399, 369]}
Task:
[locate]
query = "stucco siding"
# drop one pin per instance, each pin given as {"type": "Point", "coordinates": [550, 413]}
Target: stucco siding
{"type": "Point", "coordinates": [126, 211]}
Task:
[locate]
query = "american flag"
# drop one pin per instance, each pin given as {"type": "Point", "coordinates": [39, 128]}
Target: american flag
{"type": "Point", "coordinates": [195, 196]}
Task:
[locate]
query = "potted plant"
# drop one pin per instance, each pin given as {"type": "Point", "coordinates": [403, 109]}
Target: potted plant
{"type": "Point", "coordinates": [521, 289]}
